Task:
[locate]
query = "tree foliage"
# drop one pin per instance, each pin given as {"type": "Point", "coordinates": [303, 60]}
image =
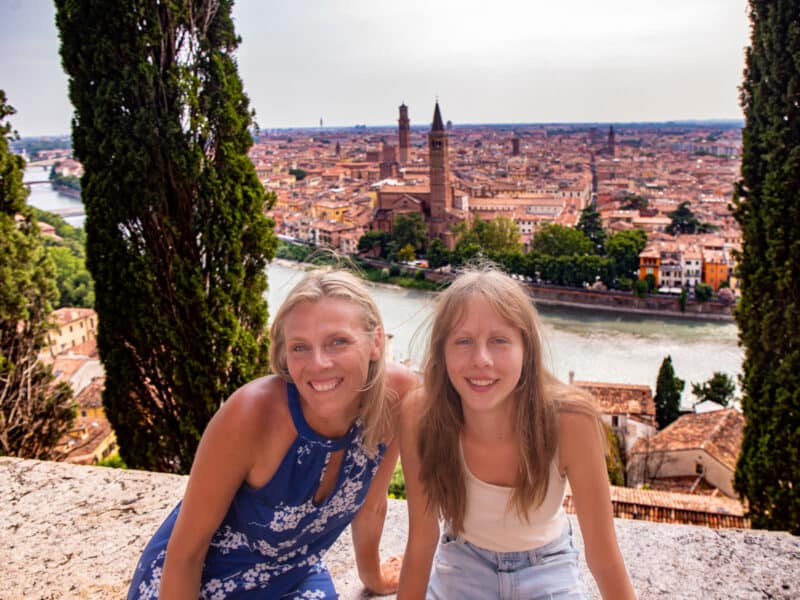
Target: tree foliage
{"type": "Point", "coordinates": [34, 412]}
{"type": "Point", "coordinates": [683, 220]}
{"type": "Point", "coordinates": [377, 241]}
{"type": "Point", "coordinates": [703, 292]}
{"type": "Point", "coordinates": [74, 282]}
{"type": "Point", "coordinates": [558, 240]}
{"type": "Point", "coordinates": [719, 388]}
{"type": "Point", "coordinates": [438, 255]}
{"type": "Point", "coordinates": [410, 229]}
{"type": "Point", "coordinates": [668, 394]}
{"type": "Point", "coordinates": [498, 235]}
{"type": "Point", "coordinates": [623, 249]}
{"type": "Point", "coordinates": [177, 239]}
{"type": "Point", "coordinates": [634, 202]}
{"type": "Point", "coordinates": [592, 227]}
{"type": "Point", "coordinates": [767, 207]}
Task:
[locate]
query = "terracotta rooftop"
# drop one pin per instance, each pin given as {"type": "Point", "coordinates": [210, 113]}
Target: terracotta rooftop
{"type": "Point", "coordinates": [63, 316]}
{"type": "Point", "coordinates": [616, 398]}
{"type": "Point", "coordinates": [718, 432]}
{"type": "Point", "coordinates": [92, 395]}
{"type": "Point", "coordinates": [64, 367]}
{"type": "Point", "coordinates": [671, 507]}
{"type": "Point", "coordinates": [86, 435]}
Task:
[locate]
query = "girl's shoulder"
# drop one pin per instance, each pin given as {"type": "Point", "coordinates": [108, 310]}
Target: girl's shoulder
{"type": "Point", "coordinates": [401, 382]}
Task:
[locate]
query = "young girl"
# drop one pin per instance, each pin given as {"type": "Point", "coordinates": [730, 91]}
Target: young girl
{"type": "Point", "coordinates": [489, 445]}
{"type": "Point", "coordinates": [289, 461]}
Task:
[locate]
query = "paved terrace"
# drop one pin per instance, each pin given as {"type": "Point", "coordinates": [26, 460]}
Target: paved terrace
{"type": "Point", "coordinates": [76, 532]}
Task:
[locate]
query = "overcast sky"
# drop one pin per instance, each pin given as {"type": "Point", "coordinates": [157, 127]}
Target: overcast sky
{"type": "Point", "coordinates": [488, 61]}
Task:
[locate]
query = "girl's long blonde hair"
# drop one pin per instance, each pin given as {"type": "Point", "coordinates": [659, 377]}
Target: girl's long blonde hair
{"type": "Point", "coordinates": [374, 406]}
{"type": "Point", "coordinates": [538, 398]}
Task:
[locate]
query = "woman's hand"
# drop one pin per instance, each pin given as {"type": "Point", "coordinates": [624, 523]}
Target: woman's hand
{"type": "Point", "coordinates": [390, 576]}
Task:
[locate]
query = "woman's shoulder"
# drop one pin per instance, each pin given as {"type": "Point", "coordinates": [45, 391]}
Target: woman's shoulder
{"type": "Point", "coordinates": [258, 405]}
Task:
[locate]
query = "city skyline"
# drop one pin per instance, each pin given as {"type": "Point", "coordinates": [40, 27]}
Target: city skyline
{"type": "Point", "coordinates": [354, 63]}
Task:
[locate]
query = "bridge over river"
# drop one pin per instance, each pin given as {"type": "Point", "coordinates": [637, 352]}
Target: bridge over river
{"type": "Point", "coordinates": [72, 211]}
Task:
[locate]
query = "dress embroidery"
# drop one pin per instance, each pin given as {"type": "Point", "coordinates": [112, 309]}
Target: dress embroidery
{"type": "Point", "coordinates": [274, 537]}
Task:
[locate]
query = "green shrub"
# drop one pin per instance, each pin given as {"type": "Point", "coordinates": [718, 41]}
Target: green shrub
{"type": "Point", "coordinates": [397, 487]}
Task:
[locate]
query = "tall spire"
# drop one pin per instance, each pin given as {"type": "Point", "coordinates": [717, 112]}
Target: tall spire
{"type": "Point", "coordinates": [438, 124]}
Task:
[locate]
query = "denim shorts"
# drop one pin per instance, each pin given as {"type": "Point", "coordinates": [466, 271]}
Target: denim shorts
{"type": "Point", "coordinates": [463, 571]}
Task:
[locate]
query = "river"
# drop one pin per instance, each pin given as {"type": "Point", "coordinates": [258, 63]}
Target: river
{"type": "Point", "coordinates": [594, 345]}
{"type": "Point", "coordinates": [45, 197]}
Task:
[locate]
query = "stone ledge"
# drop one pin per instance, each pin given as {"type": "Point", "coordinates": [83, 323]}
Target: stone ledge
{"type": "Point", "coordinates": [76, 532]}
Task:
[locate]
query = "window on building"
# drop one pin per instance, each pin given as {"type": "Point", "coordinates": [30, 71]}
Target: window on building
{"type": "Point", "coordinates": [615, 421]}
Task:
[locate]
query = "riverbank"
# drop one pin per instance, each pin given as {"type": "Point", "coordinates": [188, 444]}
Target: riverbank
{"type": "Point", "coordinates": [659, 306]}
{"type": "Point", "coordinates": [67, 191]}
{"type": "Point", "coordinates": [627, 303]}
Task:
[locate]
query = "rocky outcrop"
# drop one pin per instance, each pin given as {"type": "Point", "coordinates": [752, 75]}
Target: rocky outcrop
{"type": "Point", "coordinates": [76, 532]}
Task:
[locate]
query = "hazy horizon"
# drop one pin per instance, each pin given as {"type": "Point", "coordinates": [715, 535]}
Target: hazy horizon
{"type": "Point", "coordinates": [521, 62]}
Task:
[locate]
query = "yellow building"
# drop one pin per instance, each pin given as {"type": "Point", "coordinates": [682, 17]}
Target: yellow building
{"type": "Point", "coordinates": [72, 327]}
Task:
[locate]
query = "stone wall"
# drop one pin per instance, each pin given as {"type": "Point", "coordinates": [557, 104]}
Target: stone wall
{"type": "Point", "coordinates": [76, 532]}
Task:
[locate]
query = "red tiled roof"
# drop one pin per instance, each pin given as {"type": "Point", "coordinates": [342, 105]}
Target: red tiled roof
{"type": "Point", "coordinates": [717, 432]}
{"type": "Point", "coordinates": [616, 398]}
{"type": "Point", "coordinates": [669, 507]}
{"type": "Point", "coordinates": [92, 395]}
{"type": "Point", "coordinates": [63, 316]}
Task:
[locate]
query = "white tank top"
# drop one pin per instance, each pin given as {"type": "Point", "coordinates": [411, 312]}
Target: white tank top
{"type": "Point", "coordinates": [492, 522]}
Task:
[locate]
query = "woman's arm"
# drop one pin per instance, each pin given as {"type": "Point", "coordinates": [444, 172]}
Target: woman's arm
{"type": "Point", "coordinates": [423, 523]}
{"type": "Point", "coordinates": [583, 459]}
{"type": "Point", "coordinates": [222, 463]}
{"type": "Point", "coordinates": [367, 526]}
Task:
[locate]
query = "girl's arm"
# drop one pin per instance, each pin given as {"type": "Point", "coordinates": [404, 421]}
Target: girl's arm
{"type": "Point", "coordinates": [222, 463]}
{"type": "Point", "coordinates": [582, 456]}
{"type": "Point", "coordinates": [423, 524]}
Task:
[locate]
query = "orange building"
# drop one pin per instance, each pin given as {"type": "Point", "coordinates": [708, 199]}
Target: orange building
{"type": "Point", "coordinates": [650, 263]}
{"type": "Point", "coordinates": [715, 268]}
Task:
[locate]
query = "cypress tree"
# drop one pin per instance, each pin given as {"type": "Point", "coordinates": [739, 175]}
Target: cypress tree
{"type": "Point", "coordinates": [177, 238]}
{"type": "Point", "coordinates": [767, 206]}
{"type": "Point", "coordinates": [34, 412]}
{"type": "Point", "coordinates": [591, 225]}
{"type": "Point", "coordinates": [668, 394]}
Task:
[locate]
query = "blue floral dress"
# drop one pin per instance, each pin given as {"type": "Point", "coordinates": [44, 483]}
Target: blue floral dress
{"type": "Point", "coordinates": [271, 542]}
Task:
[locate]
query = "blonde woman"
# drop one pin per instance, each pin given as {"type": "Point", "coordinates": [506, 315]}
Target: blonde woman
{"type": "Point", "coordinates": [488, 445]}
{"type": "Point", "coordinates": [289, 461]}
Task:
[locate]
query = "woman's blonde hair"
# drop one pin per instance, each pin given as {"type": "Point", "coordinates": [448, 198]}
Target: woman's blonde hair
{"type": "Point", "coordinates": [538, 398]}
{"type": "Point", "coordinates": [319, 284]}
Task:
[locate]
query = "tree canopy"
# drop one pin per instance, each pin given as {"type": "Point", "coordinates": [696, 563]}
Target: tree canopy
{"type": "Point", "coordinates": [592, 227]}
{"type": "Point", "coordinates": [410, 230]}
{"type": "Point", "coordinates": [719, 388]}
{"type": "Point", "coordinates": [498, 235]}
{"type": "Point", "coordinates": [558, 240]}
{"type": "Point", "coordinates": [767, 207]}
{"type": "Point", "coordinates": [623, 249]}
{"type": "Point", "coordinates": [34, 412]}
{"type": "Point", "coordinates": [683, 220]}
{"type": "Point", "coordinates": [177, 237]}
